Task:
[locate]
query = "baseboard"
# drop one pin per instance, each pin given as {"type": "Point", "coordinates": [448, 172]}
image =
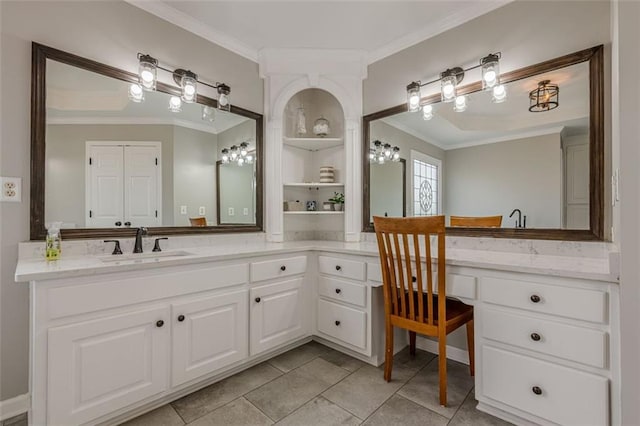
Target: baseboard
{"type": "Point", "coordinates": [453, 353]}
{"type": "Point", "coordinates": [14, 406]}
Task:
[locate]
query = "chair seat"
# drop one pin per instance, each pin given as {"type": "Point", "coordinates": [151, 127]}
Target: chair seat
{"type": "Point", "coordinates": [455, 309]}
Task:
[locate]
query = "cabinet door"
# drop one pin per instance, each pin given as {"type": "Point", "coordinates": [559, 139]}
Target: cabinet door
{"type": "Point", "coordinates": [99, 366]}
{"type": "Point", "coordinates": [105, 167]}
{"type": "Point", "coordinates": [276, 314]}
{"type": "Point", "coordinates": [208, 334]}
{"type": "Point", "coordinates": [142, 185]}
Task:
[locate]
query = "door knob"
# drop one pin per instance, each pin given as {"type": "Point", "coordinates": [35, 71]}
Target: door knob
{"type": "Point", "coordinates": [127, 224]}
{"type": "Point", "coordinates": [258, 300]}
{"type": "Point", "coordinates": [338, 267]}
{"type": "Point", "coordinates": [535, 337]}
{"type": "Point", "coordinates": [181, 318]}
{"type": "Point", "coordinates": [338, 290]}
{"type": "Point", "coordinates": [337, 322]}
{"type": "Point", "coordinates": [159, 323]}
{"type": "Point", "coordinates": [536, 390]}
{"type": "Point", "coordinates": [283, 268]}
{"type": "Point", "coordinates": [118, 223]}
{"type": "Point", "coordinates": [535, 298]}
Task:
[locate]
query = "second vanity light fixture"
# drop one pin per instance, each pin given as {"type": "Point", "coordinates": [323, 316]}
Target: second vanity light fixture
{"type": "Point", "coordinates": [383, 152]}
{"type": "Point", "coordinates": [187, 80]}
{"type": "Point", "coordinates": [239, 155]}
{"type": "Point", "coordinates": [449, 81]}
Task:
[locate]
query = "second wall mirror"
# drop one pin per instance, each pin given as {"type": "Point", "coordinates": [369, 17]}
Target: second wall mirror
{"type": "Point", "coordinates": [540, 173]}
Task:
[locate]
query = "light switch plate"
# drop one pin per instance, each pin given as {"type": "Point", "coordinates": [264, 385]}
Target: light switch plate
{"type": "Point", "coordinates": [11, 189]}
{"type": "Point", "coordinates": [232, 212]}
{"type": "Point", "coordinates": [183, 209]}
{"type": "Point", "coordinates": [202, 211]}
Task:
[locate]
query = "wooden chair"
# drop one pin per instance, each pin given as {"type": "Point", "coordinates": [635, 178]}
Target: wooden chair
{"type": "Point", "coordinates": [409, 301]}
{"type": "Point", "coordinates": [477, 222]}
{"type": "Point", "coordinates": [198, 221]}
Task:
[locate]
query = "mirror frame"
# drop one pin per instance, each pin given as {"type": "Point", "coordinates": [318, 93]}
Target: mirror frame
{"type": "Point", "coordinates": [39, 56]}
{"type": "Point", "coordinates": [595, 57]}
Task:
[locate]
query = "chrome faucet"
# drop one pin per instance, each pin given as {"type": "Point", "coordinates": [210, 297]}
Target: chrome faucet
{"type": "Point", "coordinates": [137, 248]}
{"type": "Point", "coordinates": [519, 223]}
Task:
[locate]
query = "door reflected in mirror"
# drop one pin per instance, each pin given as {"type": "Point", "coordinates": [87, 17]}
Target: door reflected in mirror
{"type": "Point", "coordinates": [494, 159]}
{"type": "Point", "coordinates": [113, 161]}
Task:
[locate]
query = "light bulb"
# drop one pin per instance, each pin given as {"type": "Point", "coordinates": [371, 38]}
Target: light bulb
{"type": "Point", "coordinates": [240, 161]}
{"type": "Point", "coordinates": [372, 156]}
{"type": "Point", "coordinates": [224, 103]}
{"type": "Point", "coordinates": [243, 149]}
{"type": "Point", "coordinates": [249, 159]}
{"type": "Point", "coordinates": [136, 94]}
{"type": "Point", "coordinates": [427, 112]}
{"type": "Point", "coordinates": [448, 88]}
{"type": "Point", "coordinates": [387, 151]}
{"type": "Point", "coordinates": [147, 76]}
{"type": "Point", "coordinates": [490, 77]}
{"type": "Point", "coordinates": [147, 72]}
{"type": "Point", "coordinates": [499, 94]}
{"type": "Point", "coordinates": [460, 104]}
{"type": "Point", "coordinates": [189, 82]}
{"type": "Point", "coordinates": [413, 96]}
{"type": "Point", "coordinates": [175, 104]}
{"type": "Point", "coordinates": [381, 159]}
{"type": "Point", "coordinates": [490, 71]}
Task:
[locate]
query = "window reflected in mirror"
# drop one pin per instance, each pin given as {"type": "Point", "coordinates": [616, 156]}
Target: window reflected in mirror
{"type": "Point", "coordinates": [117, 159]}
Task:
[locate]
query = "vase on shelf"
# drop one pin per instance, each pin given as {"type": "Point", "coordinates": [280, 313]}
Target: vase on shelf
{"type": "Point", "coordinates": [321, 127]}
{"type": "Point", "coordinates": [301, 122]}
{"type": "Point", "coordinates": [338, 207]}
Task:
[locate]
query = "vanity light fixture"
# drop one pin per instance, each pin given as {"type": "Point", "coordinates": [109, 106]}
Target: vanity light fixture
{"type": "Point", "coordinates": [187, 80]}
{"type": "Point", "coordinates": [175, 104]}
{"type": "Point", "coordinates": [499, 94]}
{"type": "Point", "coordinates": [545, 97]}
{"type": "Point", "coordinates": [460, 104]}
{"type": "Point", "coordinates": [427, 112]}
{"type": "Point", "coordinates": [490, 71]}
{"type": "Point", "coordinates": [452, 77]}
{"type": "Point", "coordinates": [136, 94]}
{"type": "Point", "coordinates": [238, 154]}
{"type": "Point", "coordinates": [383, 152]}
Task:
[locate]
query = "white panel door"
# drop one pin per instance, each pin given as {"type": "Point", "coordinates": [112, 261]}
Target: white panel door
{"type": "Point", "coordinates": [276, 314]}
{"type": "Point", "coordinates": [208, 334]}
{"type": "Point", "coordinates": [142, 185]}
{"type": "Point", "coordinates": [99, 366]}
{"type": "Point", "coordinates": [577, 186]}
{"type": "Point", "coordinates": [104, 194]}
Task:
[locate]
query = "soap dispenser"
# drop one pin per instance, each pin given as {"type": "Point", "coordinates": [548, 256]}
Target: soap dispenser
{"type": "Point", "coordinates": [53, 242]}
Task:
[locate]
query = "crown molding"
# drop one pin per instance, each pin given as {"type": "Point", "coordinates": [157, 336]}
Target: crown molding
{"type": "Point", "coordinates": [187, 22]}
{"type": "Point", "coordinates": [458, 18]}
{"type": "Point", "coordinates": [513, 137]}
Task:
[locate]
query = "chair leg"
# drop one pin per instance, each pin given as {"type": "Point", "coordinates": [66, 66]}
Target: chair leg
{"type": "Point", "coordinates": [388, 354]}
{"type": "Point", "coordinates": [412, 343]}
{"type": "Point", "coordinates": [470, 339]}
{"type": "Point", "coordinates": [442, 366]}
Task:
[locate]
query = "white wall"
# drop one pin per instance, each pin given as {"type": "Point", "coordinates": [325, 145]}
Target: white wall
{"type": "Point", "coordinates": [112, 32]}
{"type": "Point", "coordinates": [194, 174]}
{"type": "Point", "coordinates": [626, 148]}
{"type": "Point", "coordinates": [494, 179]}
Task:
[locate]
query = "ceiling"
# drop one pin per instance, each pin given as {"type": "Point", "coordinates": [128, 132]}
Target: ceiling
{"type": "Point", "coordinates": [380, 28]}
{"type": "Point", "coordinates": [485, 122]}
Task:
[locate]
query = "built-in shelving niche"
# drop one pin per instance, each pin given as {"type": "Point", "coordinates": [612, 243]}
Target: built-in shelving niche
{"type": "Point", "coordinates": [302, 157]}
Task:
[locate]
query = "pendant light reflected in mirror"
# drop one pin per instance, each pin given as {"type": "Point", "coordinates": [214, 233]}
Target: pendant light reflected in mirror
{"type": "Point", "coordinates": [545, 97]}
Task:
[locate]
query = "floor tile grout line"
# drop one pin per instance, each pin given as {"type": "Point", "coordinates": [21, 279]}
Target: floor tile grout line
{"type": "Point", "coordinates": [258, 408]}
{"type": "Point", "coordinates": [461, 404]}
{"type": "Point", "coordinates": [170, 404]}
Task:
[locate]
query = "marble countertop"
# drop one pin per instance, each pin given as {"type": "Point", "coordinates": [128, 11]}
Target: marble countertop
{"type": "Point", "coordinates": [30, 268]}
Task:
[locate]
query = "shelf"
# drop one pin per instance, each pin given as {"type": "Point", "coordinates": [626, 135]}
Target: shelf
{"type": "Point", "coordinates": [312, 185]}
{"type": "Point", "coordinates": [316, 212]}
{"type": "Point", "coordinates": [313, 144]}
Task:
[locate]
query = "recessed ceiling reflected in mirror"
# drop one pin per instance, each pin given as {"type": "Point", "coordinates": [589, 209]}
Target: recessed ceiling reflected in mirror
{"type": "Point", "coordinates": [111, 162]}
{"type": "Point", "coordinates": [498, 159]}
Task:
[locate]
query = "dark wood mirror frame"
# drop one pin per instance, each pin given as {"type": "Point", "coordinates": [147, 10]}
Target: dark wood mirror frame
{"type": "Point", "coordinates": [595, 57]}
{"type": "Point", "coordinates": [40, 54]}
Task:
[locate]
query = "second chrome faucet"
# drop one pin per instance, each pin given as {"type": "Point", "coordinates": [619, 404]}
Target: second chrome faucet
{"type": "Point", "coordinates": [520, 223]}
{"type": "Point", "coordinates": [140, 232]}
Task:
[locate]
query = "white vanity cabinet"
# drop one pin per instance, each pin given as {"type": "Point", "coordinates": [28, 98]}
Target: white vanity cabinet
{"type": "Point", "coordinates": [545, 349]}
{"type": "Point", "coordinates": [279, 302]}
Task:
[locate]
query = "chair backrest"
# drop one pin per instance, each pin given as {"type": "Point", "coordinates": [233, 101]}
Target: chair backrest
{"type": "Point", "coordinates": [399, 241]}
{"type": "Point", "coordinates": [477, 222]}
{"type": "Point", "coordinates": [198, 221]}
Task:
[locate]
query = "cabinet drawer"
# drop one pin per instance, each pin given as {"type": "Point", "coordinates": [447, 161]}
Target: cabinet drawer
{"type": "Point", "coordinates": [343, 291]}
{"type": "Point", "coordinates": [342, 268]}
{"type": "Point", "coordinates": [578, 303]}
{"type": "Point", "coordinates": [556, 393]}
{"type": "Point", "coordinates": [573, 343]}
{"type": "Point", "coordinates": [343, 323]}
{"type": "Point", "coordinates": [270, 269]}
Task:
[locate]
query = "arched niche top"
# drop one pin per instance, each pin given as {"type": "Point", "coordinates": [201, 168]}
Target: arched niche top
{"type": "Point", "coordinates": [350, 107]}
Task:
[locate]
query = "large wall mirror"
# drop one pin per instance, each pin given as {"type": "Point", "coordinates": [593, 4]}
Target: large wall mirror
{"type": "Point", "coordinates": [103, 164]}
{"type": "Point", "coordinates": [499, 169]}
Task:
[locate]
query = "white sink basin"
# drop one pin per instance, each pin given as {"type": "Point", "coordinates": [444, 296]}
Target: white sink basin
{"type": "Point", "coordinates": [143, 257]}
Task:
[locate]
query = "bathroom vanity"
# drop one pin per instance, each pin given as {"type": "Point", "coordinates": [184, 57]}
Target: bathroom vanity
{"type": "Point", "coordinates": [114, 338]}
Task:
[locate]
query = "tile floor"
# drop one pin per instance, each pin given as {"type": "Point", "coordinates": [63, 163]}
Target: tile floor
{"type": "Point", "coordinates": [316, 385]}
